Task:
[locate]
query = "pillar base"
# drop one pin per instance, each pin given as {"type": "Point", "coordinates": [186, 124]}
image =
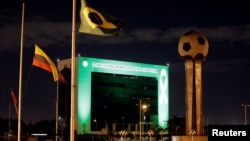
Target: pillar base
{"type": "Point", "coordinates": [189, 138]}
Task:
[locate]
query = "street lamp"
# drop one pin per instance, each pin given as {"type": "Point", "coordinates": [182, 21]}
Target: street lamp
{"type": "Point", "coordinates": [140, 101]}
{"type": "Point", "coordinates": [245, 107]}
{"type": "Point", "coordinates": [95, 121]}
{"type": "Point", "coordinates": [145, 108]}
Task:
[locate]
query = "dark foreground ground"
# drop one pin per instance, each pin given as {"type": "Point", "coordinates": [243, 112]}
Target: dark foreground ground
{"type": "Point", "coordinates": [82, 138]}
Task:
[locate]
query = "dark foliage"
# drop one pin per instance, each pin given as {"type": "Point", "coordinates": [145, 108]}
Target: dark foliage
{"type": "Point", "coordinates": [11, 125]}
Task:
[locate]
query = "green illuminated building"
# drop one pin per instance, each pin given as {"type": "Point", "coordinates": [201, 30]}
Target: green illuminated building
{"type": "Point", "coordinates": [108, 94]}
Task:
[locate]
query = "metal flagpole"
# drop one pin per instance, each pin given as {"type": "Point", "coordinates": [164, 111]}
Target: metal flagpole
{"type": "Point", "coordinates": [20, 78]}
{"type": "Point", "coordinates": [73, 85]}
{"type": "Point", "coordinates": [57, 97]}
{"type": "Point", "coordinates": [9, 117]}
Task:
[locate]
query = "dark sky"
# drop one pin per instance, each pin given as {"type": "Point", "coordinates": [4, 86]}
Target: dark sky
{"type": "Point", "coordinates": [151, 35]}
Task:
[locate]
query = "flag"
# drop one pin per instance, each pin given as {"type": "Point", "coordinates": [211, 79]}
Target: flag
{"type": "Point", "coordinates": [41, 60]}
{"type": "Point", "coordinates": [14, 99]}
{"type": "Point", "coordinates": [96, 22]}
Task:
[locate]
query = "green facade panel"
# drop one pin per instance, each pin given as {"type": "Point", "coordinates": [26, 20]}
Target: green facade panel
{"type": "Point", "coordinates": [106, 87]}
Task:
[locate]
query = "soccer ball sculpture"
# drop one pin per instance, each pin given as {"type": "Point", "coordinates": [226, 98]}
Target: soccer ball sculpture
{"type": "Point", "coordinates": [193, 44]}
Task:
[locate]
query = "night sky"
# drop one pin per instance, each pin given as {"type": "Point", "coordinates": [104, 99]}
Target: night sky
{"type": "Point", "coordinates": [151, 34]}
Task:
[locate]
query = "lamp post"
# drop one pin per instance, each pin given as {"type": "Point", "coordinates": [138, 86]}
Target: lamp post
{"type": "Point", "coordinates": [145, 108]}
{"type": "Point", "coordinates": [95, 121]}
{"type": "Point", "coordinates": [245, 107]}
{"type": "Point", "coordinates": [140, 101]}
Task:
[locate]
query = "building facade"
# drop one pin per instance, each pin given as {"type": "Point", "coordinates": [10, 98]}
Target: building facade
{"type": "Point", "coordinates": [111, 94]}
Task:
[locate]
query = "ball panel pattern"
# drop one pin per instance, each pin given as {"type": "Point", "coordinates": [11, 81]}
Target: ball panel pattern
{"type": "Point", "coordinates": [193, 44]}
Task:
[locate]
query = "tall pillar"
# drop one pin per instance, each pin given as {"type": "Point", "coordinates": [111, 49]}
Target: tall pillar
{"type": "Point", "coordinates": [193, 49]}
{"type": "Point", "coordinates": [189, 94]}
{"type": "Point", "coordinates": [198, 98]}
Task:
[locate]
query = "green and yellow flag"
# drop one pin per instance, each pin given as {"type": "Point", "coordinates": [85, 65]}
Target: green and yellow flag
{"type": "Point", "coordinates": [97, 22]}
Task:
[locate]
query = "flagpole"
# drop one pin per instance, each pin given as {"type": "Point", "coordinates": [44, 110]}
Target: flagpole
{"type": "Point", "coordinates": [9, 116]}
{"type": "Point", "coordinates": [73, 85]}
{"type": "Point", "coordinates": [57, 98]}
{"type": "Point", "coordinates": [20, 77]}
